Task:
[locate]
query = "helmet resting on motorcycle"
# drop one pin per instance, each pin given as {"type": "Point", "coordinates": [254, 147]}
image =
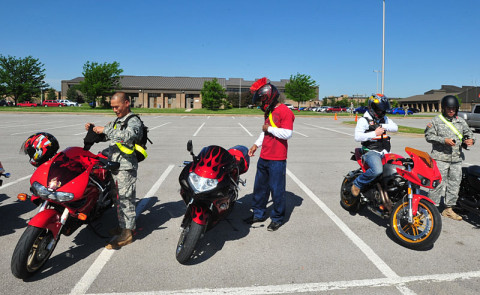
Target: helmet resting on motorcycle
{"type": "Point", "coordinates": [266, 93]}
{"type": "Point", "coordinates": [40, 147]}
{"type": "Point", "coordinates": [449, 101]}
{"type": "Point", "coordinates": [378, 105]}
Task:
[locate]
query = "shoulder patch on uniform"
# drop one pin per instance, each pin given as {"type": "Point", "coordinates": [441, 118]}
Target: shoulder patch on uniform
{"type": "Point", "coordinates": [429, 125]}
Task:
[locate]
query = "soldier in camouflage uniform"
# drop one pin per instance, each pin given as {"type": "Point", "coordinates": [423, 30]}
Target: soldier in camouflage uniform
{"type": "Point", "coordinates": [447, 151]}
{"type": "Point", "coordinates": [122, 136]}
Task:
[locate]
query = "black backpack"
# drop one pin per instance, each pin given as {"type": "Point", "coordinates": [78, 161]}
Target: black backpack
{"type": "Point", "coordinates": [141, 144]}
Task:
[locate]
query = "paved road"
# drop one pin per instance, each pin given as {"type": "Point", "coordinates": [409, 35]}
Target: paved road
{"type": "Point", "coordinates": [320, 250]}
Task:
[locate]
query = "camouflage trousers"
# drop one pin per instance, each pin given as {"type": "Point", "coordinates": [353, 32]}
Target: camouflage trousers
{"type": "Point", "coordinates": [450, 185]}
{"type": "Point", "coordinates": [125, 203]}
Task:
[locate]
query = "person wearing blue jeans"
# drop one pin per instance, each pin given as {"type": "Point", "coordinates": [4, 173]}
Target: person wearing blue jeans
{"type": "Point", "coordinates": [272, 164]}
{"type": "Point", "coordinates": [371, 131]}
{"type": "Point", "coordinates": [270, 178]}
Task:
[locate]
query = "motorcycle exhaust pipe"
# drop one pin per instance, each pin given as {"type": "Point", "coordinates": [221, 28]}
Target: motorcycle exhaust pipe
{"type": "Point", "coordinates": [385, 199]}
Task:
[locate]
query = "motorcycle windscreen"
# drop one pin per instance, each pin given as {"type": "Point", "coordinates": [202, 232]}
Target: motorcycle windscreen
{"type": "Point", "coordinates": [213, 162]}
{"type": "Point", "coordinates": [424, 168]}
{"type": "Point", "coordinates": [63, 170]}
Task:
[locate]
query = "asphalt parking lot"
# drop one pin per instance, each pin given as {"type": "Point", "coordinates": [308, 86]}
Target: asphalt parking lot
{"type": "Point", "coordinates": [321, 249]}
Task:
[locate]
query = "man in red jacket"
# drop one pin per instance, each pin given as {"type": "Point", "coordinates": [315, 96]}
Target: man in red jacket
{"type": "Point", "coordinates": [272, 164]}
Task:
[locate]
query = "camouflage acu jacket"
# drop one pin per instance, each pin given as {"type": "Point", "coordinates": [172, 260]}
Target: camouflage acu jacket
{"type": "Point", "coordinates": [126, 137]}
{"type": "Point", "coordinates": [437, 131]}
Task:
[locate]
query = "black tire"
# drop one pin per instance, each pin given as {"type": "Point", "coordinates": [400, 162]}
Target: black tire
{"type": "Point", "coordinates": [31, 251]}
{"type": "Point", "coordinates": [347, 200]}
{"type": "Point", "coordinates": [424, 231]}
{"type": "Point", "coordinates": [188, 240]}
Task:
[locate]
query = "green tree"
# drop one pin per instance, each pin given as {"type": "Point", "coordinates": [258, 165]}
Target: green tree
{"type": "Point", "coordinates": [73, 95]}
{"type": "Point", "coordinates": [51, 95]}
{"type": "Point", "coordinates": [301, 88]}
{"type": "Point", "coordinates": [214, 96]}
{"type": "Point", "coordinates": [245, 100]}
{"type": "Point", "coordinates": [21, 78]}
{"type": "Point", "coordinates": [101, 80]}
{"type": "Point", "coordinates": [394, 103]}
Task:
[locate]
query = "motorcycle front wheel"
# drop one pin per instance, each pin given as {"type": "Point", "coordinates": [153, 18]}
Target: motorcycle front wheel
{"type": "Point", "coordinates": [188, 240]}
{"type": "Point", "coordinates": [347, 200]}
{"type": "Point", "coordinates": [32, 251]}
{"type": "Point", "coordinates": [425, 229]}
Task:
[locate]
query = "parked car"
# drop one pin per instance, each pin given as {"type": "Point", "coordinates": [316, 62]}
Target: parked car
{"type": "Point", "coordinates": [336, 109]}
{"type": "Point", "coordinates": [69, 103]}
{"type": "Point", "coordinates": [415, 110]}
{"type": "Point", "coordinates": [360, 110]}
{"type": "Point", "coordinates": [27, 104]}
{"type": "Point", "coordinates": [323, 109]}
{"type": "Point", "coordinates": [5, 103]}
{"type": "Point", "coordinates": [289, 106]}
{"type": "Point", "coordinates": [473, 117]}
{"type": "Point", "coordinates": [52, 103]}
{"type": "Point", "coordinates": [400, 111]}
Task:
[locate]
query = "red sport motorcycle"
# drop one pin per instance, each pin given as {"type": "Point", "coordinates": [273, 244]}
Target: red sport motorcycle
{"type": "Point", "coordinates": [395, 194]}
{"type": "Point", "coordinates": [73, 188]}
{"type": "Point", "coordinates": [209, 188]}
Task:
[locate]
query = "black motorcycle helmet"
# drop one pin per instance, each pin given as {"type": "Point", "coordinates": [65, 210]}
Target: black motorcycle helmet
{"type": "Point", "coordinates": [449, 101]}
{"type": "Point", "coordinates": [266, 93]}
{"type": "Point", "coordinates": [378, 105]}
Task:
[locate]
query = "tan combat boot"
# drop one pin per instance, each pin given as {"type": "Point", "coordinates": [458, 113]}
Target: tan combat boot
{"type": "Point", "coordinates": [448, 212]}
{"type": "Point", "coordinates": [355, 190]}
{"type": "Point", "coordinates": [123, 239]}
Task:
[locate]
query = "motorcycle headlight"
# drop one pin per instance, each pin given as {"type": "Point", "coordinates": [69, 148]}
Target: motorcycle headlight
{"type": "Point", "coordinates": [45, 193]}
{"type": "Point", "coordinates": [201, 184]}
{"type": "Point", "coordinates": [425, 181]}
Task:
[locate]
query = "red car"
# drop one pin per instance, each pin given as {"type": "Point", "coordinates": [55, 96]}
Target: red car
{"type": "Point", "coordinates": [52, 103]}
{"type": "Point", "coordinates": [26, 104]}
{"type": "Point", "coordinates": [336, 109]}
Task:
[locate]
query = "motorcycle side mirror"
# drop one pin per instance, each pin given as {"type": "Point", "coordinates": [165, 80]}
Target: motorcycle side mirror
{"type": "Point", "coordinates": [190, 146]}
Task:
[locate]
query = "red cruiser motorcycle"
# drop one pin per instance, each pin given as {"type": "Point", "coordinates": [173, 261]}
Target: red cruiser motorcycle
{"type": "Point", "coordinates": [209, 188]}
{"type": "Point", "coordinates": [395, 194]}
{"type": "Point", "coordinates": [3, 173]}
{"type": "Point", "coordinates": [73, 188]}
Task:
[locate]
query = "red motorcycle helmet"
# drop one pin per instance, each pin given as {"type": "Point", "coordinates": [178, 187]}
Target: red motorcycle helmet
{"type": "Point", "coordinates": [378, 105]}
{"type": "Point", "coordinates": [266, 93]}
{"type": "Point", "coordinates": [40, 147]}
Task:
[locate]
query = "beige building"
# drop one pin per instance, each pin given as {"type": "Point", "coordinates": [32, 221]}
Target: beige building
{"type": "Point", "coordinates": [176, 92]}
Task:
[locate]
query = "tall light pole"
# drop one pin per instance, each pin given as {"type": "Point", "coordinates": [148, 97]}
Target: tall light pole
{"type": "Point", "coordinates": [377, 71]}
{"type": "Point", "coordinates": [240, 95]}
{"type": "Point", "coordinates": [383, 50]}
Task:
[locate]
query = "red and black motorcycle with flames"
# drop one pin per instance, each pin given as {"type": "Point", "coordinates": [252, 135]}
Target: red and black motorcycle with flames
{"type": "Point", "coordinates": [209, 188]}
{"type": "Point", "coordinates": [73, 188]}
{"type": "Point", "coordinates": [395, 194]}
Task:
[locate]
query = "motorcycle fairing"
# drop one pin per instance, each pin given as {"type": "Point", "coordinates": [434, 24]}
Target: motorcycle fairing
{"type": "Point", "coordinates": [49, 219]}
{"type": "Point", "coordinates": [212, 162]}
{"type": "Point", "coordinates": [68, 171]}
{"type": "Point", "coordinates": [416, 199]}
{"type": "Point", "coordinates": [424, 166]}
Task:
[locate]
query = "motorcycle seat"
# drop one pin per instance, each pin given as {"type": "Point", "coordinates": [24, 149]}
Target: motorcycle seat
{"type": "Point", "coordinates": [474, 170]}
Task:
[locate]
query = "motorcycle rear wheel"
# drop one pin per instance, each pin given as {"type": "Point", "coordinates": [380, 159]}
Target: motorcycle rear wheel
{"type": "Point", "coordinates": [424, 230]}
{"type": "Point", "coordinates": [188, 240]}
{"type": "Point", "coordinates": [32, 251]}
{"type": "Point", "coordinates": [347, 201]}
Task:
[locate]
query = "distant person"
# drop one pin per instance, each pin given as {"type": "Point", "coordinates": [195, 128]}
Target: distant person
{"type": "Point", "coordinates": [405, 108]}
{"type": "Point", "coordinates": [371, 131]}
{"type": "Point", "coordinates": [448, 134]}
{"type": "Point", "coordinates": [272, 164]}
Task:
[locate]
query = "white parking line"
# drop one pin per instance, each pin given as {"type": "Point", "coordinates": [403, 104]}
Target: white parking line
{"type": "Point", "coordinates": [314, 287]}
{"type": "Point", "coordinates": [369, 253]}
{"type": "Point", "coordinates": [159, 126]}
{"type": "Point", "coordinates": [64, 126]}
{"type": "Point", "coordinates": [89, 277]}
{"type": "Point", "coordinates": [296, 132]}
{"type": "Point", "coordinates": [246, 130]}
{"type": "Point", "coordinates": [329, 129]}
{"type": "Point", "coordinates": [198, 130]}
{"type": "Point", "coordinates": [16, 181]}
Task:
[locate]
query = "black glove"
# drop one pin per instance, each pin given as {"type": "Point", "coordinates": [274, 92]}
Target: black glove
{"type": "Point", "coordinates": [92, 138]}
